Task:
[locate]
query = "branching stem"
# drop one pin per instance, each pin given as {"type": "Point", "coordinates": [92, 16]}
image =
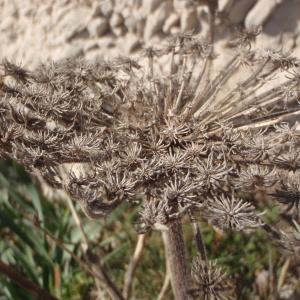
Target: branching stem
{"type": "Point", "coordinates": [176, 257]}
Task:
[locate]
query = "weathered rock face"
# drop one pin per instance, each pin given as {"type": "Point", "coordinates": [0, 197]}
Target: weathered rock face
{"type": "Point", "coordinates": [172, 21]}
{"type": "Point", "coordinates": [155, 21]}
{"type": "Point", "coordinates": [35, 30]}
{"type": "Point", "coordinates": [261, 12]}
{"type": "Point", "coordinates": [238, 10]}
{"type": "Point", "coordinates": [189, 20]}
{"type": "Point", "coordinates": [98, 27]}
{"type": "Point", "coordinates": [149, 6]}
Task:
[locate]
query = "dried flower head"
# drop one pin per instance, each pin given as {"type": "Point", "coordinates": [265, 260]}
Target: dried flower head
{"type": "Point", "coordinates": [289, 192]}
{"type": "Point", "coordinates": [232, 213]}
{"type": "Point", "coordinates": [153, 216]}
{"type": "Point", "coordinates": [211, 282]}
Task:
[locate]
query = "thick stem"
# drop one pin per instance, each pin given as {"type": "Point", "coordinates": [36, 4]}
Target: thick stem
{"type": "Point", "coordinates": [177, 261]}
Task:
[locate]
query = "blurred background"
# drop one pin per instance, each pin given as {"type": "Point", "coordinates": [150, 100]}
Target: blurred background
{"type": "Point", "coordinates": [51, 252]}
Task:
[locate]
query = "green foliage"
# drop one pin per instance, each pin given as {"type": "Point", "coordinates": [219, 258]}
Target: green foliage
{"type": "Point", "coordinates": [27, 248]}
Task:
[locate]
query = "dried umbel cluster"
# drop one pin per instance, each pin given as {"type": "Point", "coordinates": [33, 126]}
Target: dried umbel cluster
{"type": "Point", "coordinates": [191, 142]}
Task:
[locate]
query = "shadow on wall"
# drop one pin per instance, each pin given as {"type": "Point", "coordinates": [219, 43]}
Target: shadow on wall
{"type": "Point", "coordinates": [285, 19]}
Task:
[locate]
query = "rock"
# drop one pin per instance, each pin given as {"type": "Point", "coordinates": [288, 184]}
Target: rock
{"type": "Point", "coordinates": [98, 27]}
{"type": "Point", "coordinates": [90, 45]}
{"type": "Point", "coordinates": [149, 6]}
{"type": "Point", "coordinates": [289, 41]}
{"type": "Point", "coordinates": [129, 18]}
{"type": "Point", "coordinates": [179, 5]}
{"type": "Point", "coordinates": [107, 8]}
{"type": "Point", "coordinates": [239, 10]}
{"type": "Point", "coordinates": [189, 20]}
{"type": "Point", "coordinates": [75, 51]}
{"type": "Point", "coordinates": [175, 30]}
{"type": "Point", "coordinates": [72, 50]}
{"type": "Point", "coordinates": [81, 33]}
{"type": "Point", "coordinates": [298, 44]}
{"type": "Point", "coordinates": [116, 20]}
{"type": "Point", "coordinates": [119, 31]}
{"type": "Point", "coordinates": [130, 43]}
{"type": "Point", "coordinates": [260, 13]}
{"type": "Point", "coordinates": [173, 20]}
{"type": "Point", "coordinates": [155, 21]}
{"type": "Point", "coordinates": [45, 10]}
{"type": "Point", "coordinates": [127, 12]}
{"type": "Point", "coordinates": [62, 16]}
{"type": "Point", "coordinates": [71, 23]}
{"type": "Point", "coordinates": [96, 10]}
{"type": "Point", "coordinates": [224, 5]}
{"type": "Point", "coordinates": [135, 22]}
{"type": "Point", "coordinates": [10, 9]}
{"type": "Point", "coordinates": [7, 23]}
{"type": "Point", "coordinates": [284, 19]}
{"type": "Point", "coordinates": [27, 11]}
{"type": "Point", "coordinates": [265, 41]}
{"type": "Point", "coordinates": [107, 41]}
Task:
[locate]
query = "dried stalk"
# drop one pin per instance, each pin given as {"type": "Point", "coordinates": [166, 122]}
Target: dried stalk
{"type": "Point", "coordinates": [199, 241]}
{"type": "Point", "coordinates": [176, 257]}
{"type": "Point", "coordinates": [283, 273]}
{"type": "Point", "coordinates": [166, 283]}
{"type": "Point", "coordinates": [84, 244]}
{"type": "Point", "coordinates": [132, 266]}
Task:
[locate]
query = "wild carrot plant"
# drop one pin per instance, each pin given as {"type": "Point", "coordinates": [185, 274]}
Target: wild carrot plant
{"type": "Point", "coordinates": [192, 144]}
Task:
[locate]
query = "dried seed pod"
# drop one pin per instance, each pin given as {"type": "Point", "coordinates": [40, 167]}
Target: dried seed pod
{"type": "Point", "coordinates": [233, 214]}
{"type": "Point", "coordinates": [210, 281]}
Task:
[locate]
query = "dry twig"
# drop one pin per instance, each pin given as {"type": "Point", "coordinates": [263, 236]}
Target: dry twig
{"type": "Point", "coordinates": [129, 275]}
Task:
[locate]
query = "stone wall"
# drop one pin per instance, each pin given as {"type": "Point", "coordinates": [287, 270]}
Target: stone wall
{"type": "Point", "coordinates": [37, 30]}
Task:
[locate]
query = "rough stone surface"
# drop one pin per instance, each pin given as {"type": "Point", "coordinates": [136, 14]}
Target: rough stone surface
{"type": "Point", "coordinates": [156, 20]}
{"type": "Point", "coordinates": [98, 27]}
{"type": "Point", "coordinates": [107, 8]}
{"type": "Point", "coordinates": [119, 31]}
{"type": "Point", "coordinates": [238, 10]}
{"type": "Point", "coordinates": [260, 13]}
{"type": "Point", "coordinates": [116, 20]}
{"type": "Point", "coordinates": [130, 43]}
{"type": "Point", "coordinates": [189, 20]}
{"type": "Point", "coordinates": [224, 5]}
{"type": "Point", "coordinates": [149, 6]}
{"type": "Point", "coordinates": [37, 30]}
{"type": "Point", "coordinates": [172, 20]}
{"type": "Point", "coordinates": [286, 18]}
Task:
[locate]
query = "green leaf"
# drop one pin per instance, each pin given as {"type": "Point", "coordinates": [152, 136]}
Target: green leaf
{"type": "Point", "coordinates": [36, 203]}
{"type": "Point", "coordinates": [26, 235]}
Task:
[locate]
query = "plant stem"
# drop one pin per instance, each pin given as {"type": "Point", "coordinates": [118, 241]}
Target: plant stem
{"type": "Point", "coordinates": [166, 284]}
{"type": "Point", "coordinates": [132, 266]}
{"type": "Point", "coordinates": [199, 241]}
{"type": "Point", "coordinates": [177, 261]}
